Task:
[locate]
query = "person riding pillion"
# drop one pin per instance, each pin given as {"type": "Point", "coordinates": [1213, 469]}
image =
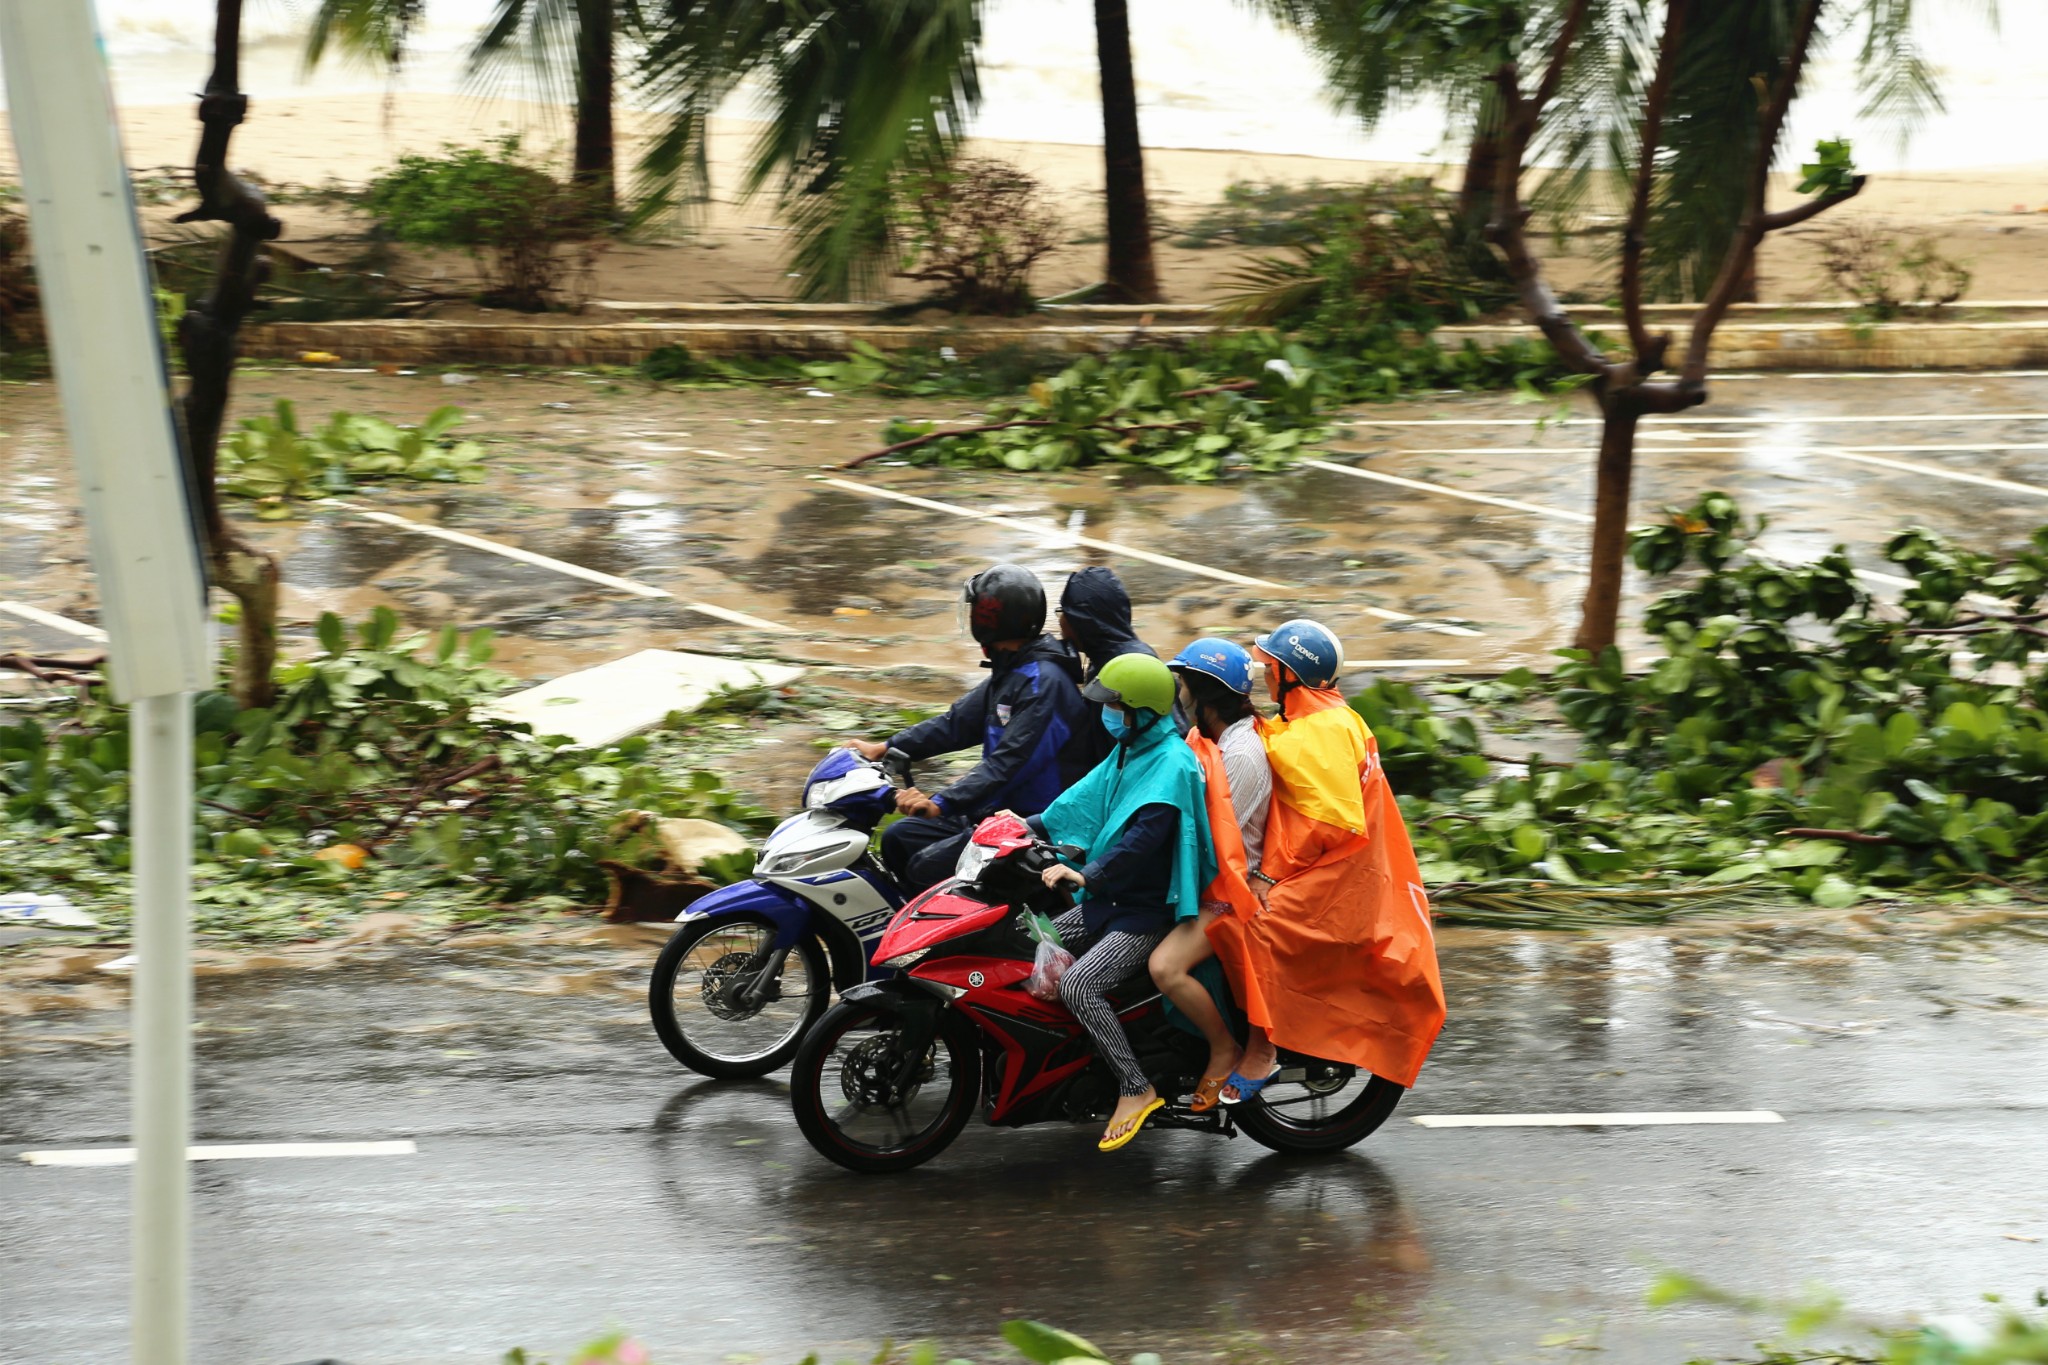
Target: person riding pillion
{"type": "Point", "coordinates": [1216, 685]}
{"type": "Point", "coordinates": [1338, 962]}
{"type": "Point", "coordinates": [1142, 824]}
{"type": "Point", "coordinates": [1095, 618]}
{"type": "Point", "coordinates": [1024, 715]}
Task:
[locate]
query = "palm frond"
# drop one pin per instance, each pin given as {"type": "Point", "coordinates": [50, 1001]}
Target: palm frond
{"type": "Point", "coordinates": [372, 32]}
{"type": "Point", "coordinates": [855, 92]}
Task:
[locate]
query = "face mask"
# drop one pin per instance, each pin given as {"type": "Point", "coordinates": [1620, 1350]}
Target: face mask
{"type": "Point", "coordinates": [1113, 721]}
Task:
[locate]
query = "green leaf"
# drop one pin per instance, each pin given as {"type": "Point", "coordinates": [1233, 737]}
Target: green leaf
{"type": "Point", "coordinates": [1048, 1345]}
{"type": "Point", "coordinates": [1833, 893]}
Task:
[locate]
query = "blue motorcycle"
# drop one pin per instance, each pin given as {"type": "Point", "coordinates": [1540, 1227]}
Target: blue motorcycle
{"type": "Point", "coordinates": [754, 964]}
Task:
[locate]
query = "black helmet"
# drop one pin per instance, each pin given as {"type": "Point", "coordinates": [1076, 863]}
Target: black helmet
{"type": "Point", "coordinates": [1004, 602]}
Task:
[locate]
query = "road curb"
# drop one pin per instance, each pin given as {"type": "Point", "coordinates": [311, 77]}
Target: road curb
{"type": "Point", "coordinates": [1773, 337]}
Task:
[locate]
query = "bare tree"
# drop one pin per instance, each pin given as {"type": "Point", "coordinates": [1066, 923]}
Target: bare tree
{"type": "Point", "coordinates": [208, 334]}
{"type": "Point", "coordinates": [1624, 387]}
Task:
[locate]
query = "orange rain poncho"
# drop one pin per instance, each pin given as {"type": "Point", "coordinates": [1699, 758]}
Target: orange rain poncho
{"type": "Point", "coordinates": [1340, 964]}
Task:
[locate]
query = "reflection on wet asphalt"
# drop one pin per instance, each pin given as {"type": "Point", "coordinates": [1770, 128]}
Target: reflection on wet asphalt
{"type": "Point", "coordinates": [570, 1176]}
{"type": "Point", "coordinates": [712, 496]}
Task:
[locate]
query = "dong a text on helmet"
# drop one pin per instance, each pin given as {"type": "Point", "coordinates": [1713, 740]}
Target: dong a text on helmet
{"type": "Point", "coordinates": [1308, 648]}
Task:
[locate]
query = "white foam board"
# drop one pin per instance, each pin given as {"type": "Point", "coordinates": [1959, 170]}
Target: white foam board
{"type": "Point", "coordinates": [603, 705]}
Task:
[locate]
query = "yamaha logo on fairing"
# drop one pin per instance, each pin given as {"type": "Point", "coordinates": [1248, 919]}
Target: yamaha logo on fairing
{"type": "Point", "coordinates": [976, 979]}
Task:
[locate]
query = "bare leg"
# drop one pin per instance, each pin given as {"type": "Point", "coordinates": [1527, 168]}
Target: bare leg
{"type": "Point", "coordinates": [1184, 948]}
{"type": "Point", "coordinates": [1128, 1107]}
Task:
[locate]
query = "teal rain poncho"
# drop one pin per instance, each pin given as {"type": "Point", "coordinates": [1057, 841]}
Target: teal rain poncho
{"type": "Point", "coordinates": [1155, 768]}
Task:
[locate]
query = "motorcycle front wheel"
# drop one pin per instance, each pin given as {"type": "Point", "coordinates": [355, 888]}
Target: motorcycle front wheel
{"type": "Point", "coordinates": [848, 1102]}
{"type": "Point", "coordinates": [693, 997]}
{"type": "Point", "coordinates": [1330, 1109]}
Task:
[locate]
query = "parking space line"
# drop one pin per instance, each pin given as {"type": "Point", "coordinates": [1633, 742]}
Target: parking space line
{"type": "Point", "coordinates": [229, 1151]}
{"type": "Point", "coordinates": [1840, 419]}
{"type": "Point", "coordinates": [1582, 519]}
{"type": "Point", "coordinates": [1854, 454]}
{"type": "Point", "coordinates": [1418, 484]}
{"type": "Point", "coordinates": [625, 585]}
{"type": "Point", "coordinates": [1051, 534]}
{"type": "Point", "coordinates": [1620, 1120]}
{"type": "Point", "coordinates": [54, 621]}
{"type": "Point", "coordinates": [1406, 663]}
{"type": "Point", "coordinates": [1950, 375]}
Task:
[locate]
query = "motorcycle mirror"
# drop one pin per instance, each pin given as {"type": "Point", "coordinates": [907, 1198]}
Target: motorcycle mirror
{"type": "Point", "coordinates": [1071, 853]}
{"type": "Point", "coordinates": [896, 767]}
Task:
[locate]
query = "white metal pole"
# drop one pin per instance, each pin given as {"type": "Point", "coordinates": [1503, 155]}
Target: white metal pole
{"type": "Point", "coordinates": [101, 321]}
{"type": "Point", "coordinates": [160, 748]}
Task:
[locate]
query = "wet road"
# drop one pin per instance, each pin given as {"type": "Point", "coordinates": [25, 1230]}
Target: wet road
{"type": "Point", "coordinates": [569, 1177]}
{"type": "Point", "coordinates": [730, 498]}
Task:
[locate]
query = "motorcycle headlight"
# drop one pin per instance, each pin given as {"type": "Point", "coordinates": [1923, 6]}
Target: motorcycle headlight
{"type": "Point", "coordinates": [974, 859]}
{"type": "Point", "coordinates": [905, 959]}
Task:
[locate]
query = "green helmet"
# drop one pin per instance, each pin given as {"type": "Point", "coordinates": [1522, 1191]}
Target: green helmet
{"type": "Point", "coordinates": [1138, 681]}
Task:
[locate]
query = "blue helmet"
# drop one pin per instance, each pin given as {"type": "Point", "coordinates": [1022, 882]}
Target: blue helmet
{"type": "Point", "coordinates": [1306, 647]}
{"type": "Point", "coordinates": [1227, 663]}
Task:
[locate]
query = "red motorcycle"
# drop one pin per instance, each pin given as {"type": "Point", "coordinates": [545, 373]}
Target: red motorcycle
{"type": "Point", "coordinates": [890, 1075]}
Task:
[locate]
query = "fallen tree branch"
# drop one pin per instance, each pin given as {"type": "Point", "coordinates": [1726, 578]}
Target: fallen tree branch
{"type": "Point", "coordinates": [1846, 836]}
{"type": "Point", "coordinates": [1234, 386]}
{"type": "Point", "coordinates": [430, 789]}
{"type": "Point", "coordinates": [49, 668]}
{"type": "Point", "coordinates": [931, 436]}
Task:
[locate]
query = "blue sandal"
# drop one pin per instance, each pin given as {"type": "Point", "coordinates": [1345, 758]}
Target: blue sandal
{"type": "Point", "coordinates": [1246, 1089]}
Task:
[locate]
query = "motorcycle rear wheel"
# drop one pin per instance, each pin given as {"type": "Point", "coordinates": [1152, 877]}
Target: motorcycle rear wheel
{"type": "Point", "coordinates": [701, 1030]}
{"type": "Point", "coordinates": [1304, 1118]}
{"type": "Point", "coordinates": [839, 1088]}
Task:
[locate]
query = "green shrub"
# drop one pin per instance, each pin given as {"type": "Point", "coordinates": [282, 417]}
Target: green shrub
{"type": "Point", "coordinates": [1391, 257]}
{"type": "Point", "coordinates": [21, 319]}
{"type": "Point", "coordinates": [380, 742]}
{"type": "Point", "coordinates": [1273, 213]}
{"type": "Point", "coordinates": [530, 233]}
{"type": "Point", "coordinates": [1794, 732]}
{"type": "Point", "coordinates": [974, 229]}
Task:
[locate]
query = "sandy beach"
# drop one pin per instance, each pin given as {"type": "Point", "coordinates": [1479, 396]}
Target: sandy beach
{"type": "Point", "coordinates": [1994, 220]}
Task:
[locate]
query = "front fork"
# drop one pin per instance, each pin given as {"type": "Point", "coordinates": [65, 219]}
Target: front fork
{"type": "Point", "coordinates": [754, 989]}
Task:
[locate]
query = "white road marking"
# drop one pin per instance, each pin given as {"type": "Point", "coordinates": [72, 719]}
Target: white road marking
{"type": "Point", "coordinates": [626, 585]}
{"type": "Point", "coordinates": [1487, 498]}
{"type": "Point", "coordinates": [1950, 375]}
{"type": "Point", "coordinates": [1582, 519]}
{"type": "Point", "coordinates": [231, 1151]}
{"type": "Point", "coordinates": [1061, 537]}
{"type": "Point", "coordinates": [1623, 1120]}
{"type": "Point", "coordinates": [1407, 663]}
{"type": "Point", "coordinates": [54, 621]}
{"type": "Point", "coordinates": [1697, 421]}
{"type": "Point", "coordinates": [1854, 454]}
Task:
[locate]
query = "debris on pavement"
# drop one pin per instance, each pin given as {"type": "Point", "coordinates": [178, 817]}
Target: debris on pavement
{"type": "Point", "coordinates": [642, 895]}
{"type": "Point", "coordinates": [57, 912]}
{"type": "Point", "coordinates": [602, 705]}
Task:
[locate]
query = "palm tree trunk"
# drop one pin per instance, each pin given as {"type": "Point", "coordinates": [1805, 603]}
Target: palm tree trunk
{"type": "Point", "coordinates": [1131, 276]}
{"type": "Point", "coordinates": [594, 165]}
{"type": "Point", "coordinates": [1600, 616]}
{"type": "Point", "coordinates": [1482, 168]}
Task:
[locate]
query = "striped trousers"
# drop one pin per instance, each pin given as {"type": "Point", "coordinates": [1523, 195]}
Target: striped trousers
{"type": "Point", "coordinates": [1107, 960]}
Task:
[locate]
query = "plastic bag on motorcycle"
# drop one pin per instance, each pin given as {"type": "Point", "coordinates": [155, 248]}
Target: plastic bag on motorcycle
{"type": "Point", "coordinates": [1049, 963]}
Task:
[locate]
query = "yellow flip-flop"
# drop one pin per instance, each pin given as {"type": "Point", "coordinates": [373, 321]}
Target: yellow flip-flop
{"type": "Point", "coordinates": [1131, 1126]}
